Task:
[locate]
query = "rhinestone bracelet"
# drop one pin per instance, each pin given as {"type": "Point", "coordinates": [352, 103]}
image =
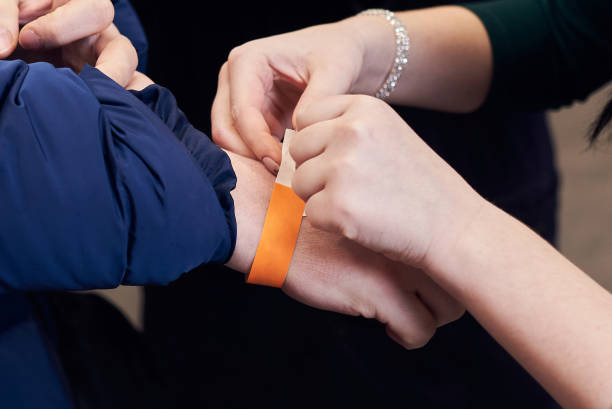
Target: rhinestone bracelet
{"type": "Point", "coordinates": [402, 42]}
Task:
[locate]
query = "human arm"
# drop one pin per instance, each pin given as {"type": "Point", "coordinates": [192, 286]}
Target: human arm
{"type": "Point", "coordinates": [547, 313]}
{"type": "Point", "coordinates": [523, 52]}
{"type": "Point", "coordinates": [368, 176]}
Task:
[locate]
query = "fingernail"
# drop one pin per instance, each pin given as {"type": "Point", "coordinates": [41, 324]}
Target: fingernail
{"type": "Point", "coordinates": [270, 164]}
{"type": "Point", "coordinates": [6, 40]}
{"type": "Point", "coordinates": [30, 40]}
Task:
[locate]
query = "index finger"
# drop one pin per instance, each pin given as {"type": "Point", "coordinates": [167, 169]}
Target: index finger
{"type": "Point", "coordinates": [250, 78]}
{"type": "Point", "coordinates": [117, 57]}
{"type": "Point", "coordinates": [223, 131]}
{"type": "Point", "coordinates": [323, 109]}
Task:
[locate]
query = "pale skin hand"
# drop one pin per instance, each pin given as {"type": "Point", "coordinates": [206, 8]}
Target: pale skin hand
{"type": "Point", "coordinates": [366, 175]}
{"type": "Point", "coordinates": [67, 33]}
{"type": "Point", "coordinates": [332, 273]}
{"type": "Point", "coordinates": [265, 81]}
{"type": "Point", "coordinates": [548, 314]}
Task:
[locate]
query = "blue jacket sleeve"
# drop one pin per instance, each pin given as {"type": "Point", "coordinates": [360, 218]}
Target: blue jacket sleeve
{"type": "Point", "coordinates": [97, 190]}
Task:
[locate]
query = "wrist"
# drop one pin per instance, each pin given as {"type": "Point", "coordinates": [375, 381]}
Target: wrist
{"type": "Point", "coordinates": [456, 260]}
{"type": "Point", "coordinates": [251, 197]}
{"type": "Point", "coordinates": [376, 39]}
{"type": "Point", "coordinates": [459, 223]}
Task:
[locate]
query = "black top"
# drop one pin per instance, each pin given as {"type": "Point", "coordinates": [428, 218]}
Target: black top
{"type": "Point", "coordinates": [547, 53]}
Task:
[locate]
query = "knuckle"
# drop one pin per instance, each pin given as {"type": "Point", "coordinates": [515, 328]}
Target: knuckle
{"type": "Point", "coordinates": [222, 71]}
{"type": "Point", "coordinates": [454, 313]}
{"type": "Point", "coordinates": [236, 53]}
{"type": "Point", "coordinates": [364, 100]}
{"type": "Point", "coordinates": [366, 310]}
{"type": "Point", "coordinates": [458, 313]}
{"type": "Point", "coordinates": [343, 214]}
{"type": "Point", "coordinates": [126, 43]}
{"type": "Point", "coordinates": [300, 115]}
{"type": "Point", "coordinates": [349, 229]}
{"type": "Point", "coordinates": [317, 221]}
{"type": "Point", "coordinates": [421, 337]}
{"type": "Point", "coordinates": [235, 112]}
{"type": "Point", "coordinates": [353, 129]}
{"type": "Point", "coordinates": [50, 26]}
{"type": "Point", "coordinates": [104, 12]}
{"type": "Point", "coordinates": [219, 136]}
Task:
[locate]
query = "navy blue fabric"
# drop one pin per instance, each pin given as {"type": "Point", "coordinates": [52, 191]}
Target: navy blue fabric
{"type": "Point", "coordinates": [28, 373]}
{"type": "Point", "coordinates": [129, 25]}
{"type": "Point", "coordinates": [98, 191]}
{"type": "Point", "coordinates": [100, 187]}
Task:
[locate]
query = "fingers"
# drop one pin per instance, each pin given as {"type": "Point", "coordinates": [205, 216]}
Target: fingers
{"type": "Point", "coordinates": [117, 57]}
{"type": "Point", "coordinates": [310, 142]}
{"type": "Point", "coordinates": [416, 306]}
{"type": "Point", "coordinates": [409, 322]}
{"type": "Point", "coordinates": [250, 78]}
{"type": "Point", "coordinates": [310, 178]}
{"type": "Point", "coordinates": [319, 215]}
{"type": "Point", "coordinates": [32, 9]}
{"type": "Point", "coordinates": [443, 307]}
{"type": "Point", "coordinates": [139, 82]}
{"type": "Point", "coordinates": [322, 83]}
{"type": "Point", "coordinates": [322, 109]}
{"type": "Point", "coordinates": [223, 131]}
{"type": "Point", "coordinates": [72, 21]}
{"type": "Point", "coordinates": [9, 26]}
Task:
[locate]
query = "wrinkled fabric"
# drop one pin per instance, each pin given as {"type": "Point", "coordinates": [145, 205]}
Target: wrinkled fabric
{"type": "Point", "coordinates": [98, 191]}
{"type": "Point", "coordinates": [100, 187]}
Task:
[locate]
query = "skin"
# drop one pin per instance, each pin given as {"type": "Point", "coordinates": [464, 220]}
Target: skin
{"type": "Point", "coordinates": [67, 33]}
{"type": "Point", "coordinates": [554, 319]}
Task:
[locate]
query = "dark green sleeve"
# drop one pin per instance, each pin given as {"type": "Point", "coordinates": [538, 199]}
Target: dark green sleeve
{"type": "Point", "coordinates": [547, 53]}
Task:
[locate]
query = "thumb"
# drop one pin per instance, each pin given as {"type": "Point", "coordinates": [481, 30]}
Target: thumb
{"type": "Point", "coordinates": [322, 83]}
{"type": "Point", "coordinates": [409, 322]}
{"type": "Point", "coordinates": [72, 21]}
{"type": "Point", "coordinates": [9, 26]}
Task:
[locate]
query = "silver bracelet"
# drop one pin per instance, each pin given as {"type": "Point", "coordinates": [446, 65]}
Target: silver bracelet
{"type": "Point", "coordinates": [402, 42]}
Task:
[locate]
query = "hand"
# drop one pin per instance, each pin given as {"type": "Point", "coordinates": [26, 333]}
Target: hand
{"type": "Point", "coordinates": [365, 174]}
{"type": "Point", "coordinates": [67, 33]}
{"type": "Point", "coordinates": [264, 80]}
{"type": "Point", "coordinates": [330, 272]}
{"type": "Point", "coordinates": [335, 274]}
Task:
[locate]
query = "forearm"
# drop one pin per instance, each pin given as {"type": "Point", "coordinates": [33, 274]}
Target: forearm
{"type": "Point", "coordinates": [524, 54]}
{"type": "Point", "coordinates": [450, 60]}
{"type": "Point", "coordinates": [554, 319]}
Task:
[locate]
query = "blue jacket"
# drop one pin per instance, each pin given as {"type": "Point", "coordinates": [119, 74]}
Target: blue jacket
{"type": "Point", "coordinates": [99, 187]}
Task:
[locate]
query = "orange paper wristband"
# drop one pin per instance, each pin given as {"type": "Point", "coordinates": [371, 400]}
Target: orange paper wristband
{"type": "Point", "coordinates": [278, 238]}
